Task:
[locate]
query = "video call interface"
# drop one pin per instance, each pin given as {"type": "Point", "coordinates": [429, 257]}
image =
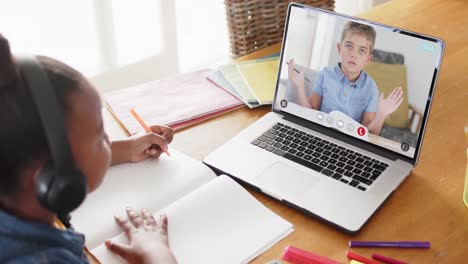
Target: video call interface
{"type": "Point", "coordinates": [365, 80]}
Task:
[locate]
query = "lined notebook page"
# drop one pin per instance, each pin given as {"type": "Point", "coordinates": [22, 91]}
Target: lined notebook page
{"type": "Point", "coordinates": [170, 101]}
{"type": "Point", "coordinates": [151, 184]}
{"type": "Point", "coordinates": [219, 222]}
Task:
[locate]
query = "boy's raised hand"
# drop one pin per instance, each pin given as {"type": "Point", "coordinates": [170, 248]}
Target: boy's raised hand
{"type": "Point", "coordinates": [148, 238]}
{"type": "Point", "coordinates": [296, 77]}
{"type": "Point", "coordinates": [390, 104]}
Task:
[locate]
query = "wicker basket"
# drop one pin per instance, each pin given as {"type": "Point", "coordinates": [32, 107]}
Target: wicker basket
{"type": "Point", "coordinates": [255, 24]}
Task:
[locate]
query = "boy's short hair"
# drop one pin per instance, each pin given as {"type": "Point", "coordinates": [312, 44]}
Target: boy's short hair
{"type": "Point", "coordinates": [366, 30]}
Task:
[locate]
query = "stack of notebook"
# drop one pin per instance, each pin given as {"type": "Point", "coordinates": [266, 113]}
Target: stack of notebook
{"type": "Point", "coordinates": [253, 81]}
{"type": "Point", "coordinates": [194, 97]}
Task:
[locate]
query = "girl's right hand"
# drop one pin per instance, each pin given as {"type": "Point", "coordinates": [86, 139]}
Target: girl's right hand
{"type": "Point", "coordinates": [296, 77]}
{"type": "Point", "coordinates": [148, 239]}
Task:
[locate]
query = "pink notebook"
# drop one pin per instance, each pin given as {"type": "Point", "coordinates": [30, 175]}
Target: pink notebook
{"type": "Point", "coordinates": [177, 102]}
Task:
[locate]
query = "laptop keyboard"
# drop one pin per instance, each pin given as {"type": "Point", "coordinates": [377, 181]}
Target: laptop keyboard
{"type": "Point", "coordinates": [342, 164]}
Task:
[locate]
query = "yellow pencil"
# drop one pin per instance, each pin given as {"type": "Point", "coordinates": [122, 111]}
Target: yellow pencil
{"type": "Point", "coordinates": [145, 126]}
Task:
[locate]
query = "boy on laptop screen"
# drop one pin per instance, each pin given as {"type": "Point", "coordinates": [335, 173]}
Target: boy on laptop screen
{"type": "Point", "coordinates": [346, 87]}
{"type": "Point", "coordinates": [358, 78]}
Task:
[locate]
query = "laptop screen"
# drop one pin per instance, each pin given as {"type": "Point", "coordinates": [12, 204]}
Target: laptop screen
{"type": "Point", "coordinates": [366, 80]}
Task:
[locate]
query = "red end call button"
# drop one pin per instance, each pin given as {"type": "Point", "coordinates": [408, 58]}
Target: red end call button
{"type": "Point", "coordinates": [361, 131]}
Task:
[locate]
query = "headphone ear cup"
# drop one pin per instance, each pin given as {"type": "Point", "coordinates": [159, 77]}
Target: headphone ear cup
{"type": "Point", "coordinates": [57, 194]}
{"type": "Point", "coordinates": [43, 184]}
{"type": "Point", "coordinates": [65, 195]}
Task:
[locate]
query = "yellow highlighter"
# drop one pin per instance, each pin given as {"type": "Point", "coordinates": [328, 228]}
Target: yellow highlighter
{"type": "Point", "coordinates": [465, 193]}
{"type": "Point", "coordinates": [145, 126]}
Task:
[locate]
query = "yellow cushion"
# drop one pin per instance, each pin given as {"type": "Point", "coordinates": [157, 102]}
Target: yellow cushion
{"type": "Point", "coordinates": [387, 77]}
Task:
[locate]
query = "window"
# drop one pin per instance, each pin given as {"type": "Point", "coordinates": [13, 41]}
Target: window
{"type": "Point", "coordinates": [118, 43]}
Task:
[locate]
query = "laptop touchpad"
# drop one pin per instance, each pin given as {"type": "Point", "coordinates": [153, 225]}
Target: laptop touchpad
{"type": "Point", "coordinates": [286, 181]}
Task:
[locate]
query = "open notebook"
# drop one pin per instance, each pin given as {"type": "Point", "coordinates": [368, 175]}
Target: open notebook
{"type": "Point", "coordinates": [211, 219]}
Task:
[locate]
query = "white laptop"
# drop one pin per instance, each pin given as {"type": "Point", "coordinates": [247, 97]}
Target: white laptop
{"type": "Point", "coordinates": [332, 146]}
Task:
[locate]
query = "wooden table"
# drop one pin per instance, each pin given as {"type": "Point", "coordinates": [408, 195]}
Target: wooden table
{"type": "Point", "coordinates": [428, 205]}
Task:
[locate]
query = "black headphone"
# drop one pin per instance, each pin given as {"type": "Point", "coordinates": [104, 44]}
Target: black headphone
{"type": "Point", "coordinates": [60, 186]}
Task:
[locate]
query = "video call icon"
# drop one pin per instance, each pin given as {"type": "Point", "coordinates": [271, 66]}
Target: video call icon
{"type": "Point", "coordinates": [284, 103]}
{"type": "Point", "coordinates": [404, 146]}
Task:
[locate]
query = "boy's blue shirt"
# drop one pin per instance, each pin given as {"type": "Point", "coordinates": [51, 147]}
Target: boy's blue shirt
{"type": "Point", "coordinates": [338, 93]}
{"type": "Point", "coordinates": [23, 241]}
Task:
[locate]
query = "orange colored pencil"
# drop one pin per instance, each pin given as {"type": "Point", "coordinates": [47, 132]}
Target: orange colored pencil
{"type": "Point", "coordinates": [145, 126]}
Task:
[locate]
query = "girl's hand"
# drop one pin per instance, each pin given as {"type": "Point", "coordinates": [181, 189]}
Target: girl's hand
{"type": "Point", "coordinates": [142, 146]}
{"type": "Point", "coordinates": [150, 145]}
{"type": "Point", "coordinates": [148, 239]}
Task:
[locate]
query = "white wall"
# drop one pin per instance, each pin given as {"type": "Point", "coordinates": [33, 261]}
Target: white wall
{"type": "Point", "coordinates": [301, 35]}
